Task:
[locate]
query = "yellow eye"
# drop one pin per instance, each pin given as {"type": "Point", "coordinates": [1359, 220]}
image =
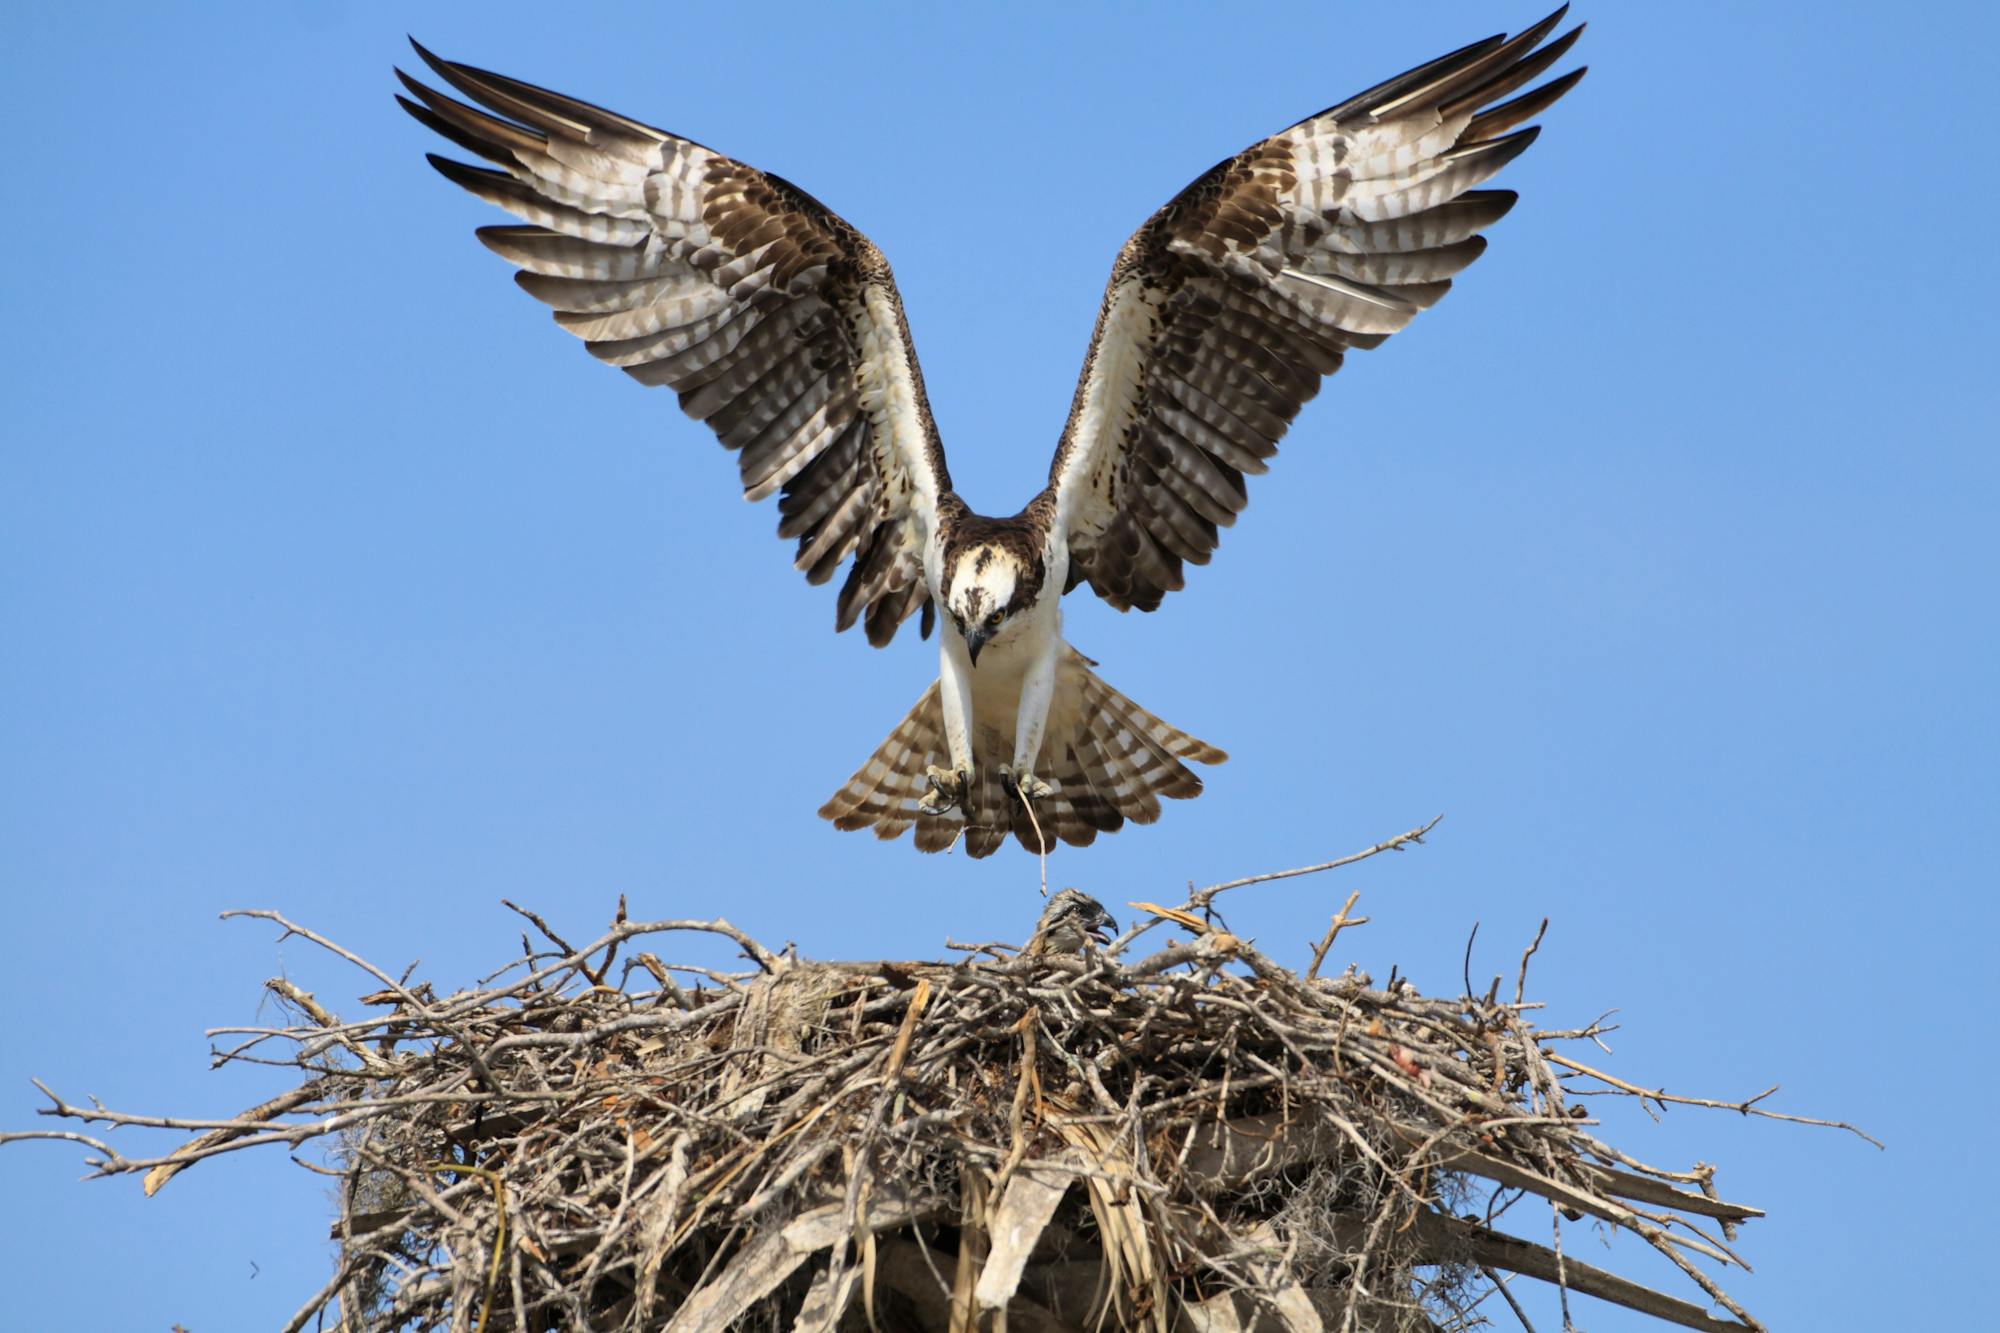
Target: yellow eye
{"type": "Point", "coordinates": [993, 621]}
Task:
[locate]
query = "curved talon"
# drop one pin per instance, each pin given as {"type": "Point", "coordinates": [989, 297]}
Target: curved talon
{"type": "Point", "coordinates": [948, 788]}
{"type": "Point", "coordinates": [1026, 786]}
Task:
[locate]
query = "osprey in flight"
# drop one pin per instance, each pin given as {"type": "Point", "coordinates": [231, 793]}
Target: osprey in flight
{"type": "Point", "coordinates": [779, 325]}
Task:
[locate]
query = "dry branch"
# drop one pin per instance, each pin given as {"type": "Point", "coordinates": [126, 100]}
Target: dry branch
{"type": "Point", "coordinates": [1195, 1139]}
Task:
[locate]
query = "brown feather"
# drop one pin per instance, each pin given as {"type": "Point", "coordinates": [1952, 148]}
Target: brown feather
{"type": "Point", "coordinates": [1252, 282]}
{"type": "Point", "coordinates": [751, 299]}
{"type": "Point", "coordinates": [1107, 759]}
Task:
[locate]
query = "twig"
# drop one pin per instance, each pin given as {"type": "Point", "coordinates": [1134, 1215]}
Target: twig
{"type": "Point", "coordinates": [541, 925]}
{"type": "Point", "coordinates": [1500, 1285]}
{"type": "Point", "coordinates": [499, 1188]}
{"type": "Point", "coordinates": [1341, 921]}
{"type": "Point", "coordinates": [1521, 982]}
{"type": "Point", "coordinates": [1748, 1106]}
{"type": "Point", "coordinates": [1041, 842]}
{"type": "Point", "coordinates": [1201, 898]}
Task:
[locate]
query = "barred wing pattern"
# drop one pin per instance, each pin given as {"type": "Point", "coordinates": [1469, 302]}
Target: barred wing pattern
{"type": "Point", "coordinates": [1229, 305]}
{"type": "Point", "coordinates": [777, 322]}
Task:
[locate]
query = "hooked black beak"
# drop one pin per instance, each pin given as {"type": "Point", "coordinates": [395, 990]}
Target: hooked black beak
{"type": "Point", "coordinates": [1103, 928]}
{"type": "Point", "coordinates": [975, 639]}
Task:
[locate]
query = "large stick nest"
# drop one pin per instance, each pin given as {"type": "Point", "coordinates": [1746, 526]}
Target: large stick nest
{"type": "Point", "coordinates": [1198, 1138]}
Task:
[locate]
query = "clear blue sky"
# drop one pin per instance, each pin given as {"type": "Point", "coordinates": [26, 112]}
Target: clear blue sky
{"type": "Point", "coordinates": [1659, 558]}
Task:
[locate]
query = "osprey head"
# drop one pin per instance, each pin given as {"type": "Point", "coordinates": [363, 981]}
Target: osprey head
{"type": "Point", "coordinates": [1071, 919]}
{"type": "Point", "coordinates": [987, 587]}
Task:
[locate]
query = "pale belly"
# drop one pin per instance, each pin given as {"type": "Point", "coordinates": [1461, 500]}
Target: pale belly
{"type": "Point", "coordinates": [996, 704]}
{"type": "Point", "coordinates": [996, 696]}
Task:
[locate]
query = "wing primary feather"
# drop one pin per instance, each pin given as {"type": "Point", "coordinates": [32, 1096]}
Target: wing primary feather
{"type": "Point", "coordinates": [494, 132]}
{"type": "Point", "coordinates": [1507, 115]}
{"type": "Point", "coordinates": [573, 111]}
{"type": "Point", "coordinates": [541, 250]}
{"type": "Point", "coordinates": [523, 201]}
{"type": "Point", "coordinates": [1493, 154]}
{"type": "Point", "coordinates": [575, 297]}
{"type": "Point", "coordinates": [823, 487]}
{"type": "Point", "coordinates": [1398, 268]}
{"type": "Point", "coordinates": [1392, 88]}
{"type": "Point", "coordinates": [1449, 83]}
{"type": "Point", "coordinates": [471, 143]}
{"type": "Point", "coordinates": [1517, 75]}
{"type": "Point", "coordinates": [490, 90]}
{"type": "Point", "coordinates": [1464, 167]}
{"type": "Point", "coordinates": [890, 610]}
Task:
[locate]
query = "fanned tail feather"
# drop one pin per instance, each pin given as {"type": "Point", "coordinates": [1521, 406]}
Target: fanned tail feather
{"type": "Point", "coordinates": [884, 792]}
{"type": "Point", "coordinates": [1111, 763]}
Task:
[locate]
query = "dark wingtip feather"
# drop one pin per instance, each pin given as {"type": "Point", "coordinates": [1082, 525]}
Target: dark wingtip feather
{"type": "Point", "coordinates": [443, 128]}
{"type": "Point", "coordinates": [439, 66]}
{"type": "Point", "coordinates": [1531, 36]}
{"type": "Point", "coordinates": [544, 108]}
{"type": "Point", "coordinates": [1509, 77]}
{"type": "Point", "coordinates": [465, 174]}
{"type": "Point", "coordinates": [1505, 149]}
{"type": "Point", "coordinates": [489, 136]}
{"type": "Point", "coordinates": [1499, 67]}
{"type": "Point", "coordinates": [493, 90]}
{"type": "Point", "coordinates": [429, 57]}
{"type": "Point", "coordinates": [1493, 204]}
{"type": "Point", "coordinates": [415, 87]}
{"type": "Point", "coordinates": [506, 233]}
{"type": "Point", "coordinates": [1389, 89]}
{"type": "Point", "coordinates": [1509, 114]}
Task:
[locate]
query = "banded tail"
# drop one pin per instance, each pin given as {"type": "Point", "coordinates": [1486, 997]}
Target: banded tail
{"type": "Point", "coordinates": [1107, 759]}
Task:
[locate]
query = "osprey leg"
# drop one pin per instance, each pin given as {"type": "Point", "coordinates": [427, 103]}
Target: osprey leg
{"type": "Point", "coordinates": [948, 786]}
{"type": "Point", "coordinates": [1038, 688]}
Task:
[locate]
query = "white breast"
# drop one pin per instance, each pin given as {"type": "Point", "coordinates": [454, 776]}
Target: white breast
{"type": "Point", "coordinates": [996, 681]}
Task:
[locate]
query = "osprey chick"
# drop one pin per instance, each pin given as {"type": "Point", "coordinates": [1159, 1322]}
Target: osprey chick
{"type": "Point", "coordinates": [1071, 919]}
{"type": "Point", "coordinates": [780, 326]}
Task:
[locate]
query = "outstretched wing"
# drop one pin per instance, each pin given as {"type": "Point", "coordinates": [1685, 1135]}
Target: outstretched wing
{"type": "Point", "coordinates": [1230, 304]}
{"type": "Point", "coordinates": [777, 322]}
